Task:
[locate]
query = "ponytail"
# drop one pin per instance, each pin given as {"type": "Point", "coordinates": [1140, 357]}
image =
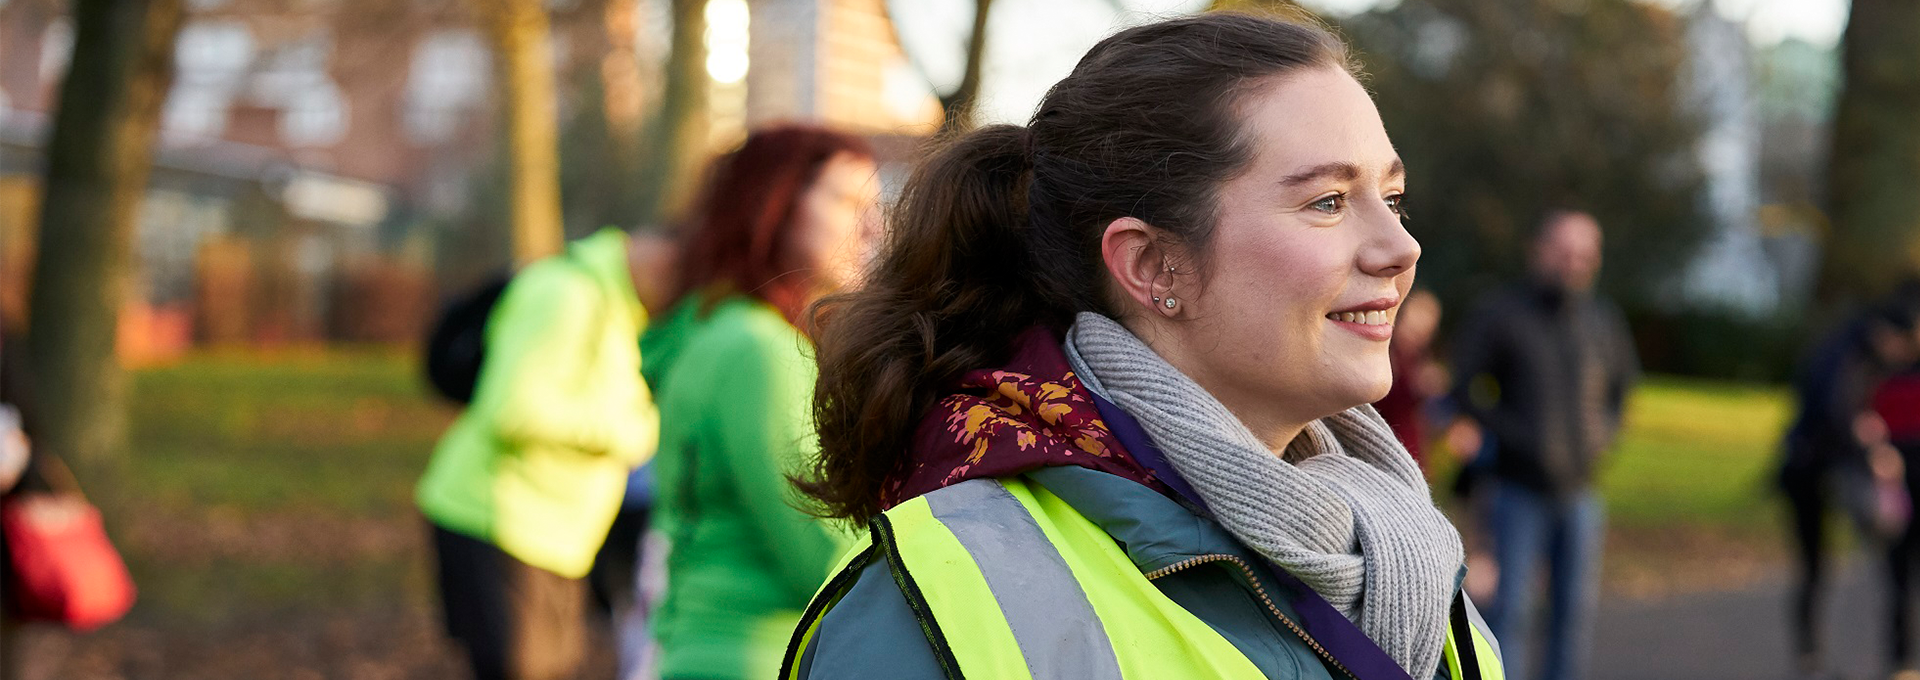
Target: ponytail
{"type": "Point", "coordinates": [953, 286]}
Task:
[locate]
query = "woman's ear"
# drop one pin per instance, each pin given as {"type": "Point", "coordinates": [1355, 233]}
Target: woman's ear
{"type": "Point", "coordinates": [1138, 261]}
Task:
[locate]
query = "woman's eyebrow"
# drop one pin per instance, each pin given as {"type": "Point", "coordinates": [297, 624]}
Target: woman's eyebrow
{"type": "Point", "coordinates": [1338, 169]}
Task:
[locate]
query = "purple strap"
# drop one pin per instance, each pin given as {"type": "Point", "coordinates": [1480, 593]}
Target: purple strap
{"type": "Point", "coordinates": [1342, 640]}
{"type": "Point", "coordinates": [1135, 441]}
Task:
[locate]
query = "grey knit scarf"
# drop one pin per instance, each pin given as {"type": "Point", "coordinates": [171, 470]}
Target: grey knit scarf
{"type": "Point", "coordinates": [1346, 510]}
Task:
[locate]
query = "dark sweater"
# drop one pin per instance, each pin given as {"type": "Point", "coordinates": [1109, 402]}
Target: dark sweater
{"type": "Point", "coordinates": [1835, 384]}
{"type": "Point", "coordinates": [1561, 366]}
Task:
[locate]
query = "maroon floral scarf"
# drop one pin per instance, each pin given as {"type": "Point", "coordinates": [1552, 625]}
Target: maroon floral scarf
{"type": "Point", "coordinates": [1029, 414]}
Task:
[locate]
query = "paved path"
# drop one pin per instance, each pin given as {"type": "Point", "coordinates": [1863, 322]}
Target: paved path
{"type": "Point", "coordinates": [1740, 635]}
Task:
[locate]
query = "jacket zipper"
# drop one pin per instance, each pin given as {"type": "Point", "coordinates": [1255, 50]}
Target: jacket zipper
{"type": "Point", "coordinates": [1264, 599]}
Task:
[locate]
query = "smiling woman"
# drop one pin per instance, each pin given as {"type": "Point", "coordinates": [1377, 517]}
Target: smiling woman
{"type": "Point", "coordinates": [1102, 402]}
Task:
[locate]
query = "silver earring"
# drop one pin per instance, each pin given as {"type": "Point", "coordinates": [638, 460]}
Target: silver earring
{"type": "Point", "coordinates": [1170, 303]}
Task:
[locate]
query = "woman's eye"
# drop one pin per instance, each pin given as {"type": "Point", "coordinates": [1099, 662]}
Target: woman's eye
{"type": "Point", "coordinates": [1398, 204]}
{"type": "Point", "coordinates": [1331, 204]}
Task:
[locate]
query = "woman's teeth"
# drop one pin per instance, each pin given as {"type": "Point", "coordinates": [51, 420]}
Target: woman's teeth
{"type": "Point", "coordinates": [1373, 318]}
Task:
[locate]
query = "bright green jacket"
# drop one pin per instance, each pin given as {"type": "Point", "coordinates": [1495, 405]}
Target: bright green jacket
{"type": "Point", "coordinates": [734, 381]}
{"type": "Point", "coordinates": [538, 462]}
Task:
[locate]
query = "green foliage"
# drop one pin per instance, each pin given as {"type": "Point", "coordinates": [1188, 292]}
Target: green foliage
{"type": "Point", "coordinates": [1505, 109]}
{"type": "Point", "coordinates": [1721, 344]}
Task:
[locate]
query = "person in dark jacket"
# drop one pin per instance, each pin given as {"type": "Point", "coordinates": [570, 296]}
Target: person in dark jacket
{"type": "Point", "coordinates": [1897, 402]}
{"type": "Point", "coordinates": [1562, 363]}
{"type": "Point", "coordinates": [1837, 443]}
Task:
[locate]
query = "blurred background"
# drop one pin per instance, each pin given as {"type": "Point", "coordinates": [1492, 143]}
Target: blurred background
{"type": "Point", "coordinates": [326, 172]}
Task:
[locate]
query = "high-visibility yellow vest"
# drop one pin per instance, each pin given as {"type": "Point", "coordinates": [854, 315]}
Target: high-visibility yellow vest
{"type": "Point", "coordinates": [1009, 581]}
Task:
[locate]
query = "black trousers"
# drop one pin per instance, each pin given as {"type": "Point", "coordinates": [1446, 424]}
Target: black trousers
{"type": "Point", "coordinates": [617, 565]}
{"type": "Point", "coordinates": [515, 621]}
{"type": "Point", "coordinates": [1807, 512]}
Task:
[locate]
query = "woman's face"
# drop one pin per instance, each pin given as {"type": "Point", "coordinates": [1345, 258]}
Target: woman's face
{"type": "Point", "coordinates": [1308, 263]}
{"type": "Point", "coordinates": [836, 221]}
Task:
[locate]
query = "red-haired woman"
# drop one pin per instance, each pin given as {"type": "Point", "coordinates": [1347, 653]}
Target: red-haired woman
{"type": "Point", "coordinates": [784, 219]}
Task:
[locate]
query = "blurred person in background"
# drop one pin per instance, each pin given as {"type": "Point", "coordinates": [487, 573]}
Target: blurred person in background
{"type": "Point", "coordinates": [783, 220]}
{"type": "Point", "coordinates": [523, 487]}
{"type": "Point", "coordinates": [1897, 402]}
{"type": "Point", "coordinates": [1417, 377]}
{"type": "Point", "coordinates": [1561, 363]}
{"type": "Point", "coordinates": [16, 412]}
{"type": "Point", "coordinates": [1838, 452]}
{"type": "Point", "coordinates": [17, 473]}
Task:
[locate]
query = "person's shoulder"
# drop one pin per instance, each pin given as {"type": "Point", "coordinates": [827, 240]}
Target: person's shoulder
{"type": "Point", "coordinates": [550, 277]}
{"type": "Point", "coordinates": [744, 325]}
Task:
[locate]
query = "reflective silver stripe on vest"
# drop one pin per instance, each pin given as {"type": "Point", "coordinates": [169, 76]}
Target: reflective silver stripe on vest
{"type": "Point", "coordinates": [1058, 632]}
{"type": "Point", "coordinates": [1480, 624]}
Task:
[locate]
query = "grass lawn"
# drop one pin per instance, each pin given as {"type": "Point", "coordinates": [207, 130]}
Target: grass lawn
{"type": "Point", "coordinates": [265, 511]}
{"type": "Point", "coordinates": [1699, 453]}
{"type": "Point", "coordinates": [1689, 489]}
{"type": "Point", "coordinates": [272, 469]}
{"type": "Point", "coordinates": [340, 431]}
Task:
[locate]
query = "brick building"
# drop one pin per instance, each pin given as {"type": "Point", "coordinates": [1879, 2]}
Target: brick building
{"type": "Point", "coordinates": [303, 141]}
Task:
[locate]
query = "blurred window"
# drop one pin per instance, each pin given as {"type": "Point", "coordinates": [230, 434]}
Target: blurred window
{"type": "Point", "coordinates": [446, 84]}
{"type": "Point", "coordinates": [317, 116]}
{"type": "Point", "coordinates": [211, 61]}
{"type": "Point", "coordinates": [55, 46]}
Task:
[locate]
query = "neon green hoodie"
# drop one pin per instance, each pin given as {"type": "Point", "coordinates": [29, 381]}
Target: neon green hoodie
{"type": "Point", "coordinates": [538, 463]}
{"type": "Point", "coordinates": [735, 386]}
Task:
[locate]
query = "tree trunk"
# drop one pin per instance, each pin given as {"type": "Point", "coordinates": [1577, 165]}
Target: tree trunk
{"type": "Point", "coordinates": [959, 104]}
{"type": "Point", "coordinates": [678, 152]}
{"type": "Point", "coordinates": [620, 81]}
{"type": "Point", "coordinates": [524, 63]}
{"type": "Point", "coordinates": [98, 158]}
{"type": "Point", "coordinates": [1873, 179]}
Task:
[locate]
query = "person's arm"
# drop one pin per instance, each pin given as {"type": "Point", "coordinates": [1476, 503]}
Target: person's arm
{"type": "Point", "coordinates": [544, 379]}
{"type": "Point", "coordinates": [20, 463]}
{"type": "Point", "coordinates": [1624, 373]}
{"type": "Point", "coordinates": [15, 449]}
{"type": "Point", "coordinates": [762, 423]}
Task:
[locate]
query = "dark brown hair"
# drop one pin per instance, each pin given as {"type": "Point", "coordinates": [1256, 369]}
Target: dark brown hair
{"type": "Point", "coordinates": [740, 234]}
{"type": "Point", "coordinates": [1000, 230]}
